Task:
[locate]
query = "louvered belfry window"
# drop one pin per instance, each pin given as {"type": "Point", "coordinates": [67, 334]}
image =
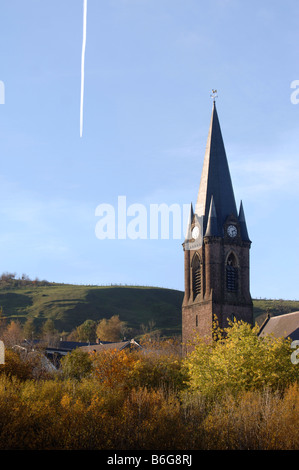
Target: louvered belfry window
{"type": "Point", "coordinates": [231, 274]}
{"type": "Point", "coordinates": [196, 276]}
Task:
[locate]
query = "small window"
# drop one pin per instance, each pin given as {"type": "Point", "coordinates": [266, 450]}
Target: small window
{"type": "Point", "coordinates": [231, 274]}
{"type": "Point", "coordinates": [196, 321]}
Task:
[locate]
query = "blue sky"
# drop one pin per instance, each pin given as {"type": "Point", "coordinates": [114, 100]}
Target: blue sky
{"type": "Point", "coordinates": [150, 67]}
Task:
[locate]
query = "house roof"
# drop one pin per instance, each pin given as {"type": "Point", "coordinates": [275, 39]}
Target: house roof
{"type": "Point", "coordinates": [64, 347]}
{"type": "Point", "coordinates": [286, 326]}
{"type": "Point", "coordinates": [70, 345]}
{"type": "Point", "coordinates": [106, 346]}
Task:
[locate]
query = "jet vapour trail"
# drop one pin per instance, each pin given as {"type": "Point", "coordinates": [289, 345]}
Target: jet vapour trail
{"type": "Point", "coordinates": [83, 64]}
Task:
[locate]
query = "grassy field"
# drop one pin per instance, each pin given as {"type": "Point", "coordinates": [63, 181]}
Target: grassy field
{"type": "Point", "coordinates": [70, 305]}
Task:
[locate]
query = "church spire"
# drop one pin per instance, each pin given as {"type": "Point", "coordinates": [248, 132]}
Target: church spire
{"type": "Point", "coordinates": [215, 178]}
{"type": "Point", "coordinates": [216, 254]}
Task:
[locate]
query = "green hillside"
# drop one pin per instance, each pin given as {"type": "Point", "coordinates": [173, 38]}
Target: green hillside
{"type": "Point", "coordinates": [275, 307]}
{"type": "Point", "coordinates": [70, 305]}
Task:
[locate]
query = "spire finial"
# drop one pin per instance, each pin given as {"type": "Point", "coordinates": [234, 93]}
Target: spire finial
{"type": "Point", "coordinates": [214, 95]}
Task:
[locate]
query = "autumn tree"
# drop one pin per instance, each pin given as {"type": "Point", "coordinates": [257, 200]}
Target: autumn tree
{"type": "Point", "coordinates": [111, 330]}
{"type": "Point", "coordinates": [76, 364]}
{"type": "Point", "coordinates": [240, 360]}
{"type": "Point", "coordinates": [29, 329]}
{"type": "Point", "coordinates": [49, 327]}
{"type": "Point", "coordinates": [49, 333]}
{"type": "Point", "coordinates": [113, 368]}
{"type": "Point", "coordinates": [158, 370]}
{"type": "Point", "coordinates": [87, 331]}
{"type": "Point", "coordinates": [15, 366]}
{"type": "Point", "coordinates": [149, 332]}
{"type": "Point", "coordinates": [13, 334]}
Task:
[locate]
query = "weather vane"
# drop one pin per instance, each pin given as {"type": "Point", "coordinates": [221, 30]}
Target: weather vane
{"type": "Point", "coordinates": [214, 95]}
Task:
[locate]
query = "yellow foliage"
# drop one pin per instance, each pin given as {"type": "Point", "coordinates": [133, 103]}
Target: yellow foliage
{"type": "Point", "coordinates": [130, 401]}
{"type": "Point", "coordinates": [81, 415]}
{"type": "Point", "coordinates": [240, 360]}
{"type": "Point", "coordinates": [15, 366]}
{"type": "Point", "coordinates": [112, 367]}
{"type": "Point", "coordinates": [256, 421]}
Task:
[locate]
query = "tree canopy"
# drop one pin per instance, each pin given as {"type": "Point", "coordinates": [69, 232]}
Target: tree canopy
{"type": "Point", "coordinates": [240, 360]}
{"type": "Point", "coordinates": [111, 330]}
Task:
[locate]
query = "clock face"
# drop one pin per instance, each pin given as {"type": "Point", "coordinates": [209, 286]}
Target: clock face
{"type": "Point", "coordinates": [232, 231]}
{"type": "Point", "coordinates": [195, 232]}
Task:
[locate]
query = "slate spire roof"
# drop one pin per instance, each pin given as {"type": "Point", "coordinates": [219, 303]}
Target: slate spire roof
{"type": "Point", "coordinates": [212, 222]}
{"type": "Point", "coordinates": [191, 216]}
{"type": "Point", "coordinates": [216, 180]}
{"type": "Point", "coordinates": [242, 222]}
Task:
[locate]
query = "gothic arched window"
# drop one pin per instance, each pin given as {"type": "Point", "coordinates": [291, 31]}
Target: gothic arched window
{"type": "Point", "coordinates": [231, 274]}
{"type": "Point", "coordinates": [196, 276]}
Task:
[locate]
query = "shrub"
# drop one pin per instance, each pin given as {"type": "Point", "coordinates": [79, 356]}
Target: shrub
{"type": "Point", "coordinates": [257, 420]}
{"type": "Point", "coordinates": [240, 360]}
{"type": "Point", "coordinates": [156, 371]}
{"type": "Point", "coordinates": [112, 367]}
{"type": "Point", "coordinates": [15, 366]}
{"type": "Point", "coordinates": [76, 364]}
{"type": "Point", "coordinates": [138, 369]}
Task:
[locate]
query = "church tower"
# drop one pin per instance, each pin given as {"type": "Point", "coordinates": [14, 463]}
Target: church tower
{"type": "Point", "coordinates": [216, 249]}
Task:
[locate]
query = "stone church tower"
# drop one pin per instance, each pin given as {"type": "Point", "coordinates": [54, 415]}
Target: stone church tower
{"type": "Point", "coordinates": [216, 249]}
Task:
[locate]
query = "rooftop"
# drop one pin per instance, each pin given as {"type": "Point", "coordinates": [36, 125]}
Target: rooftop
{"type": "Point", "coordinates": [285, 326]}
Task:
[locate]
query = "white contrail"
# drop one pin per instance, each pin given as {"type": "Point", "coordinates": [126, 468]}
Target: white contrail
{"type": "Point", "coordinates": [83, 64]}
